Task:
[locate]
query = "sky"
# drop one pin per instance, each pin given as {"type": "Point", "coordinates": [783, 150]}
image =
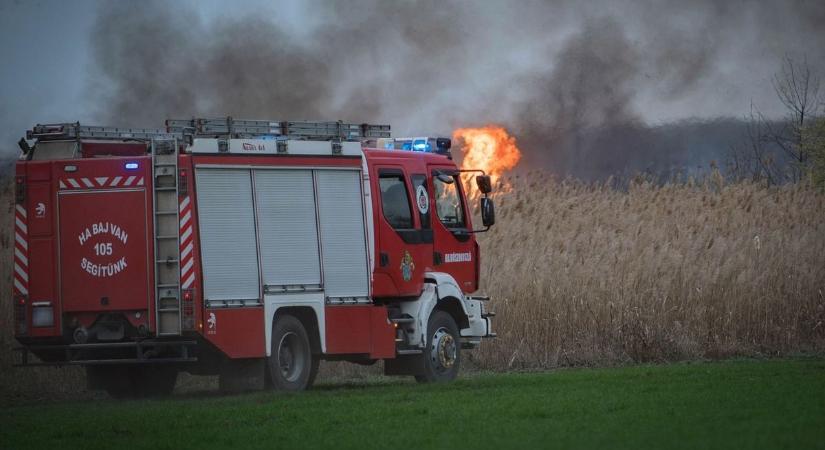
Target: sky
{"type": "Point", "coordinates": [424, 66]}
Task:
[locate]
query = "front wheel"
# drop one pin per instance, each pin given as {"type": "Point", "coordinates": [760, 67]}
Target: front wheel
{"type": "Point", "coordinates": [442, 356]}
{"type": "Point", "coordinates": [292, 366]}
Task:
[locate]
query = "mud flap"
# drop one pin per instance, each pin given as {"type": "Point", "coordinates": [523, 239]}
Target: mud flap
{"type": "Point", "coordinates": [240, 375]}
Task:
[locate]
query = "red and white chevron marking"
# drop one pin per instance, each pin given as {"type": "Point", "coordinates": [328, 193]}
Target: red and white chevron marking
{"type": "Point", "coordinates": [187, 260]}
{"type": "Point", "coordinates": [21, 250]}
{"type": "Point", "coordinates": [101, 182]}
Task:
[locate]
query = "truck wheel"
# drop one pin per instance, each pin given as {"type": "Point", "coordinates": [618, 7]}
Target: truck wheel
{"type": "Point", "coordinates": [291, 363]}
{"type": "Point", "coordinates": [241, 375]}
{"type": "Point", "coordinates": [442, 356]}
{"type": "Point", "coordinates": [154, 381]}
{"type": "Point", "coordinates": [123, 382]}
{"type": "Point", "coordinates": [115, 380]}
{"type": "Point", "coordinates": [313, 370]}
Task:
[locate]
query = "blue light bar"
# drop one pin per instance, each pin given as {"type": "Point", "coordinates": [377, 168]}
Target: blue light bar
{"type": "Point", "coordinates": [131, 165]}
{"type": "Point", "coordinates": [419, 144]}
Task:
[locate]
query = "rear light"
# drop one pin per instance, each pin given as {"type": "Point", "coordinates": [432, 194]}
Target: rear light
{"type": "Point", "coordinates": [182, 185]}
{"type": "Point", "coordinates": [21, 327]}
{"type": "Point", "coordinates": [42, 315]}
{"type": "Point", "coordinates": [20, 190]}
{"type": "Point", "coordinates": [188, 297]}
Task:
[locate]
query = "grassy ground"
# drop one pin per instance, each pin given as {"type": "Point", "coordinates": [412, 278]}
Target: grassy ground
{"type": "Point", "coordinates": [738, 404]}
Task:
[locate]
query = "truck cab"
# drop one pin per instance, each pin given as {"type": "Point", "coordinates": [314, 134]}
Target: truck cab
{"type": "Point", "coordinates": [423, 223]}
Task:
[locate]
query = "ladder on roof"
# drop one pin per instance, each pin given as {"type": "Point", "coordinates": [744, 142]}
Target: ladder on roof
{"type": "Point", "coordinates": [72, 131]}
{"type": "Point", "coordinates": [223, 127]}
{"type": "Point", "coordinates": [306, 130]}
{"type": "Point", "coordinates": [167, 236]}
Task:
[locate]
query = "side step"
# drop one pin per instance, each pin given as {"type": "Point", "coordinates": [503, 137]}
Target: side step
{"type": "Point", "coordinates": [412, 351]}
{"type": "Point", "coordinates": [403, 320]}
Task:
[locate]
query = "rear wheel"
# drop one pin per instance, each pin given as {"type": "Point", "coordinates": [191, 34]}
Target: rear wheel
{"type": "Point", "coordinates": [292, 366]}
{"type": "Point", "coordinates": [442, 356]}
{"type": "Point", "coordinates": [122, 382]}
{"type": "Point", "coordinates": [154, 381]}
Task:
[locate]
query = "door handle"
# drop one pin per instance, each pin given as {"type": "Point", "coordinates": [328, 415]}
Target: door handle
{"type": "Point", "coordinates": [437, 258]}
{"type": "Point", "coordinates": [384, 259]}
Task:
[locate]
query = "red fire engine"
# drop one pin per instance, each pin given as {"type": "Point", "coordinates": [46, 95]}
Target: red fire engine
{"type": "Point", "coordinates": [248, 249]}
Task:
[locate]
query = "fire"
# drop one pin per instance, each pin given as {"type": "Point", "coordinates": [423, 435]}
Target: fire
{"type": "Point", "coordinates": [490, 149]}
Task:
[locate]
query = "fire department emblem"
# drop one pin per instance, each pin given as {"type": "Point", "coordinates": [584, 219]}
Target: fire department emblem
{"type": "Point", "coordinates": [212, 324]}
{"type": "Point", "coordinates": [407, 266]}
{"type": "Point", "coordinates": [422, 200]}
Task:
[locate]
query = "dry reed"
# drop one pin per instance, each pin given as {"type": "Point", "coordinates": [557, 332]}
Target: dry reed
{"type": "Point", "coordinates": [591, 275]}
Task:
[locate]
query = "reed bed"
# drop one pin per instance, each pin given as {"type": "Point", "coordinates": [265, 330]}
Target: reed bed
{"type": "Point", "coordinates": [587, 274]}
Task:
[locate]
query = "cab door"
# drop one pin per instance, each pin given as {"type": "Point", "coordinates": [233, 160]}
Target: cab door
{"type": "Point", "coordinates": [454, 247]}
{"type": "Point", "coordinates": [404, 247]}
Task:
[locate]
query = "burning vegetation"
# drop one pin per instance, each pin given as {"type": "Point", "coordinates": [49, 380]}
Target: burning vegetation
{"type": "Point", "coordinates": [491, 149]}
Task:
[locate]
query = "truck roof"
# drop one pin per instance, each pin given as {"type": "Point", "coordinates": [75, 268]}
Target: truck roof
{"type": "Point", "coordinates": [427, 157]}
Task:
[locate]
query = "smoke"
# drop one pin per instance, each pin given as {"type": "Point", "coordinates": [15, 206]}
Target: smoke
{"type": "Point", "coordinates": [363, 60]}
{"type": "Point", "coordinates": [589, 90]}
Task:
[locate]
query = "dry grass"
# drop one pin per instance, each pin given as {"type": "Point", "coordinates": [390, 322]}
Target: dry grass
{"type": "Point", "coordinates": [589, 275]}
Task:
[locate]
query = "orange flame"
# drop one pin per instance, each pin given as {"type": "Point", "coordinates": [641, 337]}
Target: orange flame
{"type": "Point", "coordinates": [490, 149]}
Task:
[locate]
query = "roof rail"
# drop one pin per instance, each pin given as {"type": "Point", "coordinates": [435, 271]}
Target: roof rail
{"type": "Point", "coordinates": [300, 130]}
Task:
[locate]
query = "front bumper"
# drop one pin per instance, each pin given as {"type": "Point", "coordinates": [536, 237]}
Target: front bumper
{"type": "Point", "coordinates": [480, 323]}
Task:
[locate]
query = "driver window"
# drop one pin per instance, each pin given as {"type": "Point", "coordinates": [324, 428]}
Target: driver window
{"type": "Point", "coordinates": [395, 202]}
{"type": "Point", "coordinates": [448, 203]}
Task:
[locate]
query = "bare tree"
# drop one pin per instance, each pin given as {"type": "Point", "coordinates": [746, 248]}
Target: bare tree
{"type": "Point", "coordinates": [754, 159]}
{"type": "Point", "coordinates": [776, 150]}
{"type": "Point", "coordinates": [798, 90]}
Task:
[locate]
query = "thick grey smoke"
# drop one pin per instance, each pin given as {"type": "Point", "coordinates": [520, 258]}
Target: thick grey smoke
{"type": "Point", "coordinates": [589, 90]}
{"type": "Point", "coordinates": [363, 60]}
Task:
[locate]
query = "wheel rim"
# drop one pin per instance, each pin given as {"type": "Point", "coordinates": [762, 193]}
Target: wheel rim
{"type": "Point", "coordinates": [443, 352]}
{"type": "Point", "coordinates": [291, 358]}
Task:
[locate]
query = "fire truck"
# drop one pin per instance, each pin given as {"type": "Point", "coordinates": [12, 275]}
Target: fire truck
{"type": "Point", "coordinates": [247, 249]}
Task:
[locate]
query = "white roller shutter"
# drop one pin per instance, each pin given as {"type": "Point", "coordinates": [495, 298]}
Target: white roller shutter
{"type": "Point", "coordinates": [341, 216]}
{"type": "Point", "coordinates": [227, 233]}
{"type": "Point", "coordinates": [288, 230]}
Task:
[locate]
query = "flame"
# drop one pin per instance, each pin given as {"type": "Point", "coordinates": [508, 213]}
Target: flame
{"type": "Point", "coordinates": [491, 149]}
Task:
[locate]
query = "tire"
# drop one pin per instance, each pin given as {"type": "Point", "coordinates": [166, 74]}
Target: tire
{"type": "Point", "coordinates": [115, 380]}
{"type": "Point", "coordinates": [313, 370]}
{"type": "Point", "coordinates": [154, 381]}
{"type": "Point", "coordinates": [292, 366]}
{"type": "Point", "coordinates": [242, 375]}
{"type": "Point", "coordinates": [442, 356]}
{"type": "Point", "coordinates": [125, 382]}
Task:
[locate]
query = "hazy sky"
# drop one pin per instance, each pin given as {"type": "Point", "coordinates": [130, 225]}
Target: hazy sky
{"type": "Point", "coordinates": [419, 65]}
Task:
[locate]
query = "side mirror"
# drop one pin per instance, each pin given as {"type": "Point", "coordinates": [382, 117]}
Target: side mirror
{"type": "Point", "coordinates": [484, 184]}
{"type": "Point", "coordinates": [488, 211]}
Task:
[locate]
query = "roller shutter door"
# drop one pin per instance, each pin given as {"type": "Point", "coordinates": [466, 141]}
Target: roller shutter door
{"type": "Point", "coordinates": [341, 217]}
{"type": "Point", "coordinates": [227, 233]}
{"type": "Point", "coordinates": [288, 228]}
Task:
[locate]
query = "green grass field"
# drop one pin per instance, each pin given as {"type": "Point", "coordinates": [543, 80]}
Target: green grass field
{"type": "Point", "coordinates": [737, 404]}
